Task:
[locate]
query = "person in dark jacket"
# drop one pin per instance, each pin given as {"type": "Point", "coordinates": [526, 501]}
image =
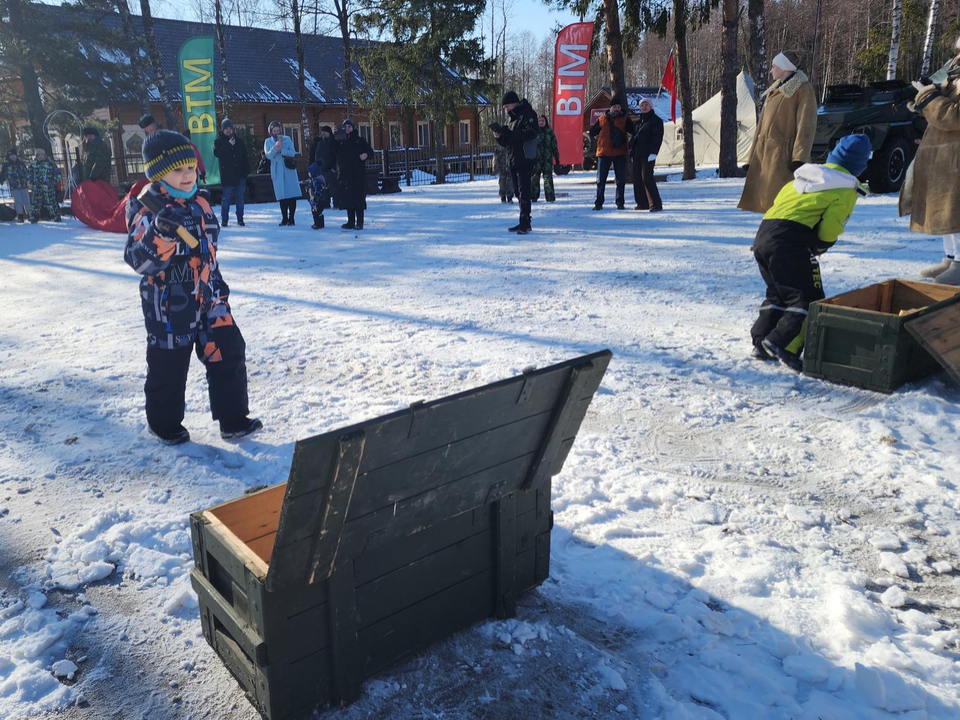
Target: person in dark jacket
{"type": "Point", "coordinates": [184, 299]}
{"type": "Point", "coordinates": [231, 151]}
{"type": "Point", "coordinates": [352, 154]}
{"type": "Point", "coordinates": [318, 193]}
{"type": "Point", "coordinates": [519, 138]}
{"type": "Point", "coordinates": [149, 125]}
{"type": "Point", "coordinates": [611, 130]}
{"type": "Point", "coordinates": [548, 154]}
{"type": "Point", "coordinates": [644, 147]}
{"type": "Point", "coordinates": [324, 152]}
{"type": "Point", "coordinates": [263, 167]}
{"type": "Point", "coordinates": [16, 174]}
{"type": "Point", "coordinates": [44, 178]}
{"type": "Point", "coordinates": [96, 156]}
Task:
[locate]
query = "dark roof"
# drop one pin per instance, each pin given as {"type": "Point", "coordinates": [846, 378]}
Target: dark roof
{"type": "Point", "coordinates": [262, 64]}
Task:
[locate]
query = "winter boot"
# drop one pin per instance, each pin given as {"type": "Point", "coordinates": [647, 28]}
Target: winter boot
{"type": "Point", "coordinates": [950, 276]}
{"type": "Point", "coordinates": [791, 360]}
{"type": "Point", "coordinates": [758, 353]}
{"type": "Point", "coordinates": [934, 270]}
{"type": "Point", "coordinates": [597, 206]}
{"type": "Point", "coordinates": [241, 223]}
{"type": "Point", "coordinates": [178, 436]}
{"type": "Point", "coordinates": [503, 198]}
{"type": "Point", "coordinates": [20, 218]}
{"type": "Point", "coordinates": [515, 228]}
{"type": "Point", "coordinates": [359, 219]}
{"type": "Point", "coordinates": [509, 198]}
{"type": "Point", "coordinates": [551, 198]}
{"type": "Point", "coordinates": [247, 427]}
{"type": "Point", "coordinates": [224, 223]}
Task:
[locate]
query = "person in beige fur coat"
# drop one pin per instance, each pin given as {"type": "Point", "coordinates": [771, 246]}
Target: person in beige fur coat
{"type": "Point", "coordinates": [784, 134]}
{"type": "Point", "coordinates": [931, 193]}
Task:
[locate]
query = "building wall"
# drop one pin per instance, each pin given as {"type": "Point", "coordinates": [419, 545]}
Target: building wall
{"type": "Point", "coordinates": [256, 117]}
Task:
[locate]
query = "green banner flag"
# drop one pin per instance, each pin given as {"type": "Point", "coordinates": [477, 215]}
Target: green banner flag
{"type": "Point", "coordinates": [199, 101]}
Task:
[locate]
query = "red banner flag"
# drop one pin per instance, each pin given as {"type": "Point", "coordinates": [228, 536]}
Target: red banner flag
{"type": "Point", "coordinates": [571, 60]}
{"type": "Point", "coordinates": [669, 83]}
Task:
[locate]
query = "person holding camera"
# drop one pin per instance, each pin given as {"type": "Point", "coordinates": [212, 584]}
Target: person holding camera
{"type": "Point", "coordinates": [611, 130]}
{"type": "Point", "coordinates": [231, 151]}
{"type": "Point", "coordinates": [930, 192]}
{"type": "Point", "coordinates": [279, 150]}
{"type": "Point", "coordinates": [784, 135]}
{"type": "Point", "coordinates": [519, 140]}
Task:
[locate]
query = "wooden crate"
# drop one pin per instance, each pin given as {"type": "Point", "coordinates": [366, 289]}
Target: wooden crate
{"type": "Point", "coordinates": [387, 536]}
{"type": "Point", "coordinates": [862, 337]}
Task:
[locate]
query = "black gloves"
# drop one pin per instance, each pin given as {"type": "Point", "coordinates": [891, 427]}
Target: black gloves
{"type": "Point", "coordinates": [795, 165]}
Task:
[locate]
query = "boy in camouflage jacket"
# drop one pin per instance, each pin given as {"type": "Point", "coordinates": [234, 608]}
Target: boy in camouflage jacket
{"type": "Point", "coordinates": [547, 153]}
{"type": "Point", "coordinates": [172, 243]}
{"type": "Point", "coordinates": [16, 174]}
{"type": "Point", "coordinates": [318, 192]}
{"type": "Point", "coordinates": [44, 176]}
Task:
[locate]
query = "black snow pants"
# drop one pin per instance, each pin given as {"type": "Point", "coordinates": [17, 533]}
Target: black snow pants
{"type": "Point", "coordinates": [226, 380]}
{"type": "Point", "coordinates": [790, 269]}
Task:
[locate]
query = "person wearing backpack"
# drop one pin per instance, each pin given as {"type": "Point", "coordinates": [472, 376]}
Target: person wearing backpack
{"type": "Point", "coordinates": [611, 130]}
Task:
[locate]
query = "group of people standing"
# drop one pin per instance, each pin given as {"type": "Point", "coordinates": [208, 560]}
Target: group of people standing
{"type": "Point", "coordinates": [336, 159]}
{"type": "Point", "coordinates": [528, 151]}
{"type": "Point", "coordinates": [34, 187]}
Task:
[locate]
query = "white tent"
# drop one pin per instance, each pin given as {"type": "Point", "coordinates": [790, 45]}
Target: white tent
{"type": "Point", "coordinates": [706, 129]}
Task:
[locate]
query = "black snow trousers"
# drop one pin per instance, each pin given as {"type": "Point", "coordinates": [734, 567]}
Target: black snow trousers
{"type": "Point", "coordinates": [226, 380]}
{"type": "Point", "coordinates": [522, 176]}
{"type": "Point", "coordinates": [791, 271]}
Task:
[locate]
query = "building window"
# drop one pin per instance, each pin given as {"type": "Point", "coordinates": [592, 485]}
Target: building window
{"type": "Point", "coordinates": [464, 132]}
{"type": "Point", "coordinates": [293, 132]}
{"type": "Point", "coordinates": [396, 135]}
{"type": "Point", "coordinates": [366, 132]}
{"type": "Point", "coordinates": [423, 134]}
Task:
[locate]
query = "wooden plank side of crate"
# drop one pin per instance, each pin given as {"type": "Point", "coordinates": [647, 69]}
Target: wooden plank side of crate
{"type": "Point", "coordinates": [939, 334]}
{"type": "Point", "coordinates": [419, 626]}
{"type": "Point", "coordinates": [421, 578]}
{"type": "Point", "coordinates": [378, 560]}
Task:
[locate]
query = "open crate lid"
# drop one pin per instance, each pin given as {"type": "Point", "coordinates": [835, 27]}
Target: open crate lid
{"type": "Point", "coordinates": [938, 332]}
{"type": "Point", "coordinates": [367, 485]}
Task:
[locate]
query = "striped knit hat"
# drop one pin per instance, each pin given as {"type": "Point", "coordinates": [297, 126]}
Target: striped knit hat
{"type": "Point", "coordinates": [165, 151]}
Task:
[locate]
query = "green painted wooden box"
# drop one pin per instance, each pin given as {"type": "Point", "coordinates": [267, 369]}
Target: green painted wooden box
{"type": "Point", "coordinates": [387, 536]}
{"type": "Point", "coordinates": [862, 337]}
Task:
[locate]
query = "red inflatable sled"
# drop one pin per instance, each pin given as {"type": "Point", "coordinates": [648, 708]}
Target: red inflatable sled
{"type": "Point", "coordinates": [95, 204]}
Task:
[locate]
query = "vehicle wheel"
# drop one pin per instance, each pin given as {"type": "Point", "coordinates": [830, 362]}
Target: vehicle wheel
{"type": "Point", "coordinates": [589, 152]}
{"type": "Point", "coordinates": [886, 171]}
{"type": "Point", "coordinates": [562, 169]}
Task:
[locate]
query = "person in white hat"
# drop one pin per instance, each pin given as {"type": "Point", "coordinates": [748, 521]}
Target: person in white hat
{"type": "Point", "coordinates": [784, 134]}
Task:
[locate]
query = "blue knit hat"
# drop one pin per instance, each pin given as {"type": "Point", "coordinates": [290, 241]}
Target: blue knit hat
{"type": "Point", "coordinates": [852, 153]}
{"type": "Point", "coordinates": [316, 168]}
{"type": "Point", "coordinates": [164, 151]}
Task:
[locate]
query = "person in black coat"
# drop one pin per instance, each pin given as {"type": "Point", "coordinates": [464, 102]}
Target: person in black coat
{"type": "Point", "coordinates": [324, 153]}
{"type": "Point", "coordinates": [519, 139]}
{"type": "Point", "coordinates": [644, 147]}
{"type": "Point", "coordinates": [231, 151]}
{"type": "Point", "coordinates": [352, 154]}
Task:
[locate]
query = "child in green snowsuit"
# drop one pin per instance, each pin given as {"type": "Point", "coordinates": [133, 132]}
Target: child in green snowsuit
{"type": "Point", "coordinates": [807, 217]}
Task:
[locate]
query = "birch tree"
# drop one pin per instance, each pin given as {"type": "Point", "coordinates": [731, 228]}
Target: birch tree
{"type": "Point", "coordinates": [928, 38]}
{"type": "Point", "coordinates": [221, 42]}
{"type": "Point", "coordinates": [894, 55]}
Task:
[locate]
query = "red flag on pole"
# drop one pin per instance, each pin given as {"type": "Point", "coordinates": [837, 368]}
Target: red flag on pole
{"type": "Point", "coordinates": [669, 83]}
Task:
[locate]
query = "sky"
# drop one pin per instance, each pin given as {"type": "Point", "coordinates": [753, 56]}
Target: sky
{"type": "Point", "coordinates": [531, 15]}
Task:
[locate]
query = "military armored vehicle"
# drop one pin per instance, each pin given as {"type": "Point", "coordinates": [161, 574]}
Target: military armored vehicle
{"type": "Point", "coordinates": [880, 111]}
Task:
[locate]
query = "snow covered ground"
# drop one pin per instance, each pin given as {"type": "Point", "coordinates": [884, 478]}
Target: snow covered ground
{"type": "Point", "coordinates": [732, 540]}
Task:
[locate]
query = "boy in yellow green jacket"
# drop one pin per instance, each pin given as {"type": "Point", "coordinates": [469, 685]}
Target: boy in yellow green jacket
{"type": "Point", "coordinates": [807, 217]}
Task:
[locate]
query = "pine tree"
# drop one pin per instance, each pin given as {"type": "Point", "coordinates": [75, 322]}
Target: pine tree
{"type": "Point", "coordinates": [431, 63]}
{"type": "Point", "coordinates": [67, 58]}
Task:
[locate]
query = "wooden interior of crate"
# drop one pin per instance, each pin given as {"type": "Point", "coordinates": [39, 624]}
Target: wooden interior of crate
{"type": "Point", "coordinates": [894, 296]}
{"type": "Point", "coordinates": [251, 522]}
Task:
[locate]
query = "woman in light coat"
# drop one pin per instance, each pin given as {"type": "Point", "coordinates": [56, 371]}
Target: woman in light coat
{"type": "Point", "coordinates": [932, 188]}
{"type": "Point", "coordinates": [286, 182]}
{"type": "Point", "coordinates": [784, 134]}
